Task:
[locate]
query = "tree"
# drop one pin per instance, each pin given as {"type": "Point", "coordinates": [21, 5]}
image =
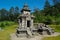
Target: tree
{"type": "Point", "coordinates": [38, 16]}
{"type": "Point", "coordinates": [47, 8]}
{"type": "Point", "coordinates": [3, 14]}
{"type": "Point", "coordinates": [56, 2]}
{"type": "Point", "coordinates": [0, 15]}
{"type": "Point", "coordinates": [16, 9]}
{"type": "Point", "coordinates": [11, 13]}
{"type": "Point", "coordinates": [16, 12]}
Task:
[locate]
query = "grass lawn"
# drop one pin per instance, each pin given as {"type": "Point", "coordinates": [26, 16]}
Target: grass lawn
{"type": "Point", "coordinates": [56, 28]}
{"type": "Point", "coordinates": [52, 38]}
{"type": "Point", "coordinates": [4, 35]}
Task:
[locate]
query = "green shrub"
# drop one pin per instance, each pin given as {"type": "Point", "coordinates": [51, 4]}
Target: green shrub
{"type": "Point", "coordinates": [2, 25]}
{"type": "Point", "coordinates": [6, 23]}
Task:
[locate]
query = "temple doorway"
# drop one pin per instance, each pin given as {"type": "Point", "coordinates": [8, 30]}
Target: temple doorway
{"type": "Point", "coordinates": [28, 23]}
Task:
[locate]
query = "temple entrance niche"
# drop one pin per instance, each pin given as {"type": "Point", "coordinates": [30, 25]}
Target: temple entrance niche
{"type": "Point", "coordinates": [28, 23]}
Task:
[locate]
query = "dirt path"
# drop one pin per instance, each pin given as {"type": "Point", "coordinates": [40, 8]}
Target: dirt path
{"type": "Point", "coordinates": [39, 37]}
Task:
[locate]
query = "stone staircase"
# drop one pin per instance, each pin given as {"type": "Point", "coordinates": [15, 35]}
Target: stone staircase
{"type": "Point", "coordinates": [29, 32]}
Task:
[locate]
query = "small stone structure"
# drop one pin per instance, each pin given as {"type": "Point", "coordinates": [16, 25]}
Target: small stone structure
{"type": "Point", "coordinates": [27, 27]}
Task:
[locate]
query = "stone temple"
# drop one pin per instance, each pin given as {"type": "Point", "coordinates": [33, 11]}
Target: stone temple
{"type": "Point", "coordinates": [27, 27]}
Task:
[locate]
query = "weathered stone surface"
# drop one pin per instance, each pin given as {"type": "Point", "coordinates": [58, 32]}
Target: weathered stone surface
{"type": "Point", "coordinates": [45, 29]}
{"type": "Point", "coordinates": [36, 37]}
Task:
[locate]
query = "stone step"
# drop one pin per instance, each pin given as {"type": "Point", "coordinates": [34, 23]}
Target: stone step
{"type": "Point", "coordinates": [29, 32]}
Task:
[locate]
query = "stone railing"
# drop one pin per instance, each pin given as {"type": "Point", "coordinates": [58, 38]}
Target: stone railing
{"type": "Point", "coordinates": [36, 25]}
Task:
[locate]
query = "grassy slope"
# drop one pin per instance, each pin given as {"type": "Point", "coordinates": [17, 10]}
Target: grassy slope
{"type": "Point", "coordinates": [52, 38]}
{"type": "Point", "coordinates": [4, 35]}
{"type": "Point", "coordinates": [56, 27]}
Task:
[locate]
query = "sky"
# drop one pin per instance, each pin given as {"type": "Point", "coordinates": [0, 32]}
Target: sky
{"type": "Point", "coordinates": [7, 4]}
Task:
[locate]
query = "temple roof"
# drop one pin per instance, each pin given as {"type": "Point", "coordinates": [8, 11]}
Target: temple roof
{"type": "Point", "coordinates": [24, 16]}
{"type": "Point", "coordinates": [25, 8]}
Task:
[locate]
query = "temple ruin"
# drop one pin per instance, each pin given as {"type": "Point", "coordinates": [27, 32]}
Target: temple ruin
{"type": "Point", "coordinates": [27, 27]}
